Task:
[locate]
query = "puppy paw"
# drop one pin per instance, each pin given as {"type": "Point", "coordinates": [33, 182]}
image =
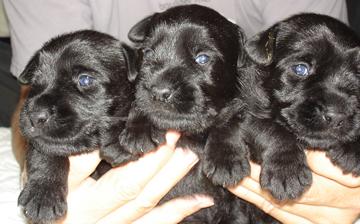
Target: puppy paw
{"type": "Point", "coordinates": [158, 136]}
{"type": "Point", "coordinates": [225, 169]}
{"type": "Point", "coordinates": [116, 155]}
{"type": "Point", "coordinates": [348, 160]}
{"type": "Point", "coordinates": [285, 181]}
{"type": "Point", "coordinates": [43, 203]}
{"type": "Point", "coordinates": [136, 142]}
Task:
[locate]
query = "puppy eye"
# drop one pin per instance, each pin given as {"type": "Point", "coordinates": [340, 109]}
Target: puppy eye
{"type": "Point", "coordinates": [85, 80]}
{"type": "Point", "coordinates": [301, 69]}
{"type": "Point", "coordinates": [148, 52]}
{"type": "Point", "coordinates": [202, 59]}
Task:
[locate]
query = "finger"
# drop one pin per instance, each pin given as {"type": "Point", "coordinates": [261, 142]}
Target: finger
{"type": "Point", "coordinates": [118, 186]}
{"type": "Point", "coordinates": [320, 214]}
{"type": "Point", "coordinates": [172, 137]}
{"type": "Point", "coordinates": [178, 166]}
{"type": "Point", "coordinates": [81, 166]}
{"type": "Point", "coordinates": [323, 192]}
{"type": "Point", "coordinates": [320, 164]}
{"type": "Point", "coordinates": [255, 187]}
{"type": "Point", "coordinates": [255, 171]}
{"type": "Point", "coordinates": [267, 207]}
{"type": "Point", "coordinates": [175, 210]}
{"type": "Point", "coordinates": [292, 212]}
{"type": "Point", "coordinates": [311, 197]}
{"type": "Point", "coordinates": [327, 192]}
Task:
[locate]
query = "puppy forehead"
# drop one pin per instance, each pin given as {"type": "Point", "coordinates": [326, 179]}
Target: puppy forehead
{"type": "Point", "coordinates": [316, 44]}
{"type": "Point", "coordinates": [190, 35]}
{"type": "Point", "coordinates": [312, 30]}
{"type": "Point", "coordinates": [64, 60]}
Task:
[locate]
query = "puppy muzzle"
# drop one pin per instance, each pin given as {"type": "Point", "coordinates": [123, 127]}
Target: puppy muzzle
{"type": "Point", "coordinates": [330, 113]}
{"type": "Point", "coordinates": [39, 119]}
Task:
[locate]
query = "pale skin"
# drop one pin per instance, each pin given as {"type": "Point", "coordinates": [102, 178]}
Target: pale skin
{"type": "Point", "coordinates": [333, 197]}
{"type": "Point", "coordinates": [130, 193]}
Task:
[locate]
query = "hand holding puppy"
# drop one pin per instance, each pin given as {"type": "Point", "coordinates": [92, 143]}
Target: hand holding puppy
{"type": "Point", "coordinates": [331, 193]}
{"type": "Point", "coordinates": [127, 194]}
{"type": "Point", "coordinates": [332, 198]}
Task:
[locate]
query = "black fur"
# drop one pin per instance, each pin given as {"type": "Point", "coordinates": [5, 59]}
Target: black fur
{"type": "Point", "coordinates": [61, 117]}
{"type": "Point", "coordinates": [173, 91]}
{"type": "Point", "coordinates": [281, 112]}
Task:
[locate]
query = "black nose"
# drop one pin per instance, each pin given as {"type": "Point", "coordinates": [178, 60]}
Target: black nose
{"type": "Point", "coordinates": [161, 93]}
{"type": "Point", "coordinates": [39, 118]}
{"type": "Point", "coordinates": [334, 119]}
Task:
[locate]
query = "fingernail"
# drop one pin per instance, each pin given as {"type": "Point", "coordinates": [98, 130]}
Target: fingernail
{"type": "Point", "coordinates": [187, 155]}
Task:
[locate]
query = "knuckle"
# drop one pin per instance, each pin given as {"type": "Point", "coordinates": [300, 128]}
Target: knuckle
{"type": "Point", "coordinates": [147, 204]}
{"type": "Point", "coordinates": [267, 207]}
{"type": "Point", "coordinates": [128, 192]}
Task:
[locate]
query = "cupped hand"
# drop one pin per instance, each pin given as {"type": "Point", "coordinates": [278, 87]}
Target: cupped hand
{"type": "Point", "coordinates": [332, 198]}
{"type": "Point", "coordinates": [130, 193]}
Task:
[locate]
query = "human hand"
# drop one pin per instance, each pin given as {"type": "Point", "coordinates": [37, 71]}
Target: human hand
{"type": "Point", "coordinates": [332, 198]}
{"type": "Point", "coordinates": [129, 194]}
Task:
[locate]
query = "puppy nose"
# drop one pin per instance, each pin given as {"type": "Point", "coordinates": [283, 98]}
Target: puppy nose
{"type": "Point", "coordinates": [39, 118]}
{"type": "Point", "coordinates": [334, 119]}
{"type": "Point", "coordinates": [161, 93]}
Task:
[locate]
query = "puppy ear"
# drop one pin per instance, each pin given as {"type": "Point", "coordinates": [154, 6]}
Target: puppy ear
{"type": "Point", "coordinates": [242, 53]}
{"type": "Point", "coordinates": [260, 47]}
{"type": "Point", "coordinates": [139, 31]}
{"type": "Point", "coordinates": [131, 57]}
{"type": "Point", "coordinates": [26, 76]}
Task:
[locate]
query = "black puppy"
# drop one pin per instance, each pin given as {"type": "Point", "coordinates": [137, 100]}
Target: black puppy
{"type": "Point", "coordinates": [188, 58]}
{"type": "Point", "coordinates": [79, 100]}
{"type": "Point", "coordinates": [301, 92]}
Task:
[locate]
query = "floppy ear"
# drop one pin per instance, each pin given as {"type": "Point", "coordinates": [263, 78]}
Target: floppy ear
{"type": "Point", "coordinates": [242, 53]}
{"type": "Point", "coordinates": [26, 76]}
{"type": "Point", "coordinates": [131, 57]}
{"type": "Point", "coordinates": [260, 47]}
{"type": "Point", "coordinates": [139, 31]}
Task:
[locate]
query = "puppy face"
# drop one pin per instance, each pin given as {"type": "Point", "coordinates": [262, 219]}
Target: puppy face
{"type": "Point", "coordinates": [313, 63]}
{"type": "Point", "coordinates": [75, 90]}
{"type": "Point", "coordinates": [187, 66]}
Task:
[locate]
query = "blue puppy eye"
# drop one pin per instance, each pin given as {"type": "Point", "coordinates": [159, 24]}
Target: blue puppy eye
{"type": "Point", "coordinates": [148, 52]}
{"type": "Point", "coordinates": [85, 80]}
{"type": "Point", "coordinates": [202, 59]}
{"type": "Point", "coordinates": [301, 70]}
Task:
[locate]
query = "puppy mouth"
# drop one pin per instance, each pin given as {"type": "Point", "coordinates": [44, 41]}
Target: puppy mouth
{"type": "Point", "coordinates": [169, 99]}
{"type": "Point", "coordinates": [181, 108]}
{"type": "Point", "coordinates": [52, 129]}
